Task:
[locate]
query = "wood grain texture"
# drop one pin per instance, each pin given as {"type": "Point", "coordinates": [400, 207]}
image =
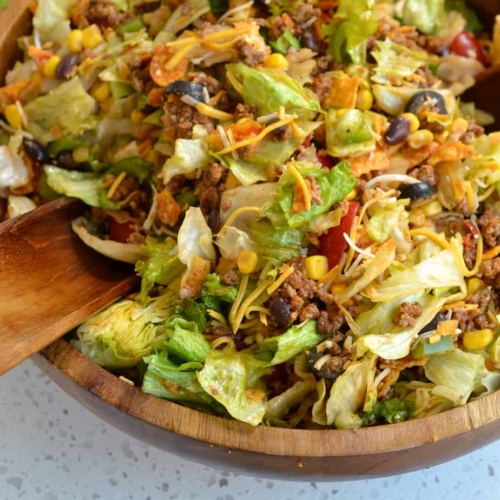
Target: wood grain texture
{"type": "Point", "coordinates": [50, 281]}
{"type": "Point", "coordinates": [266, 452]}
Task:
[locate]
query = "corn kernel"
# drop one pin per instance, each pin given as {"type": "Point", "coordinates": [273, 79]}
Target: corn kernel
{"type": "Point", "coordinates": [413, 121]}
{"type": "Point", "coordinates": [91, 37]}
{"type": "Point", "coordinates": [459, 125]}
{"type": "Point", "coordinates": [276, 61]}
{"type": "Point", "coordinates": [316, 266]}
{"type": "Point", "coordinates": [50, 67]}
{"type": "Point", "coordinates": [13, 116]}
{"type": "Point", "coordinates": [351, 195]}
{"type": "Point", "coordinates": [420, 138]}
{"type": "Point", "coordinates": [101, 92]}
{"type": "Point", "coordinates": [475, 285]}
{"type": "Point", "coordinates": [364, 100]}
{"type": "Point", "coordinates": [74, 41]}
{"type": "Point", "coordinates": [475, 340]}
{"type": "Point", "coordinates": [136, 116]}
{"type": "Point", "coordinates": [432, 208]}
{"type": "Point", "coordinates": [247, 261]}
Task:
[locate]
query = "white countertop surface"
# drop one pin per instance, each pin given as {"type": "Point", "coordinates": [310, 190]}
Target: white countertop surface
{"type": "Point", "coordinates": [52, 448]}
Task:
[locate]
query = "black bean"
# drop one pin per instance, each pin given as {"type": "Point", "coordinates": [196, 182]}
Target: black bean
{"type": "Point", "coordinates": [280, 311]}
{"type": "Point", "coordinates": [397, 131]}
{"type": "Point", "coordinates": [182, 87]}
{"type": "Point", "coordinates": [34, 150]}
{"type": "Point", "coordinates": [416, 191]}
{"type": "Point", "coordinates": [435, 100]}
{"type": "Point", "coordinates": [67, 67]}
{"type": "Point", "coordinates": [65, 160]}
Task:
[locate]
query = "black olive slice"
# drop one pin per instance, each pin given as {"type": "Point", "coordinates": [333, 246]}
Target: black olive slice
{"type": "Point", "coordinates": [34, 150]}
{"type": "Point", "coordinates": [416, 191]}
{"type": "Point", "coordinates": [420, 98]}
{"type": "Point", "coordinates": [182, 87]}
{"type": "Point", "coordinates": [432, 325]}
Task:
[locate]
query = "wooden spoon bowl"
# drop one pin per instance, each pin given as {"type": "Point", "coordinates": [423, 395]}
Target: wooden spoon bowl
{"type": "Point", "coordinates": [262, 451]}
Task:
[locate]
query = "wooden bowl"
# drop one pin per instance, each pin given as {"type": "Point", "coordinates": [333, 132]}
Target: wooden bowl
{"type": "Point", "coordinates": [261, 451]}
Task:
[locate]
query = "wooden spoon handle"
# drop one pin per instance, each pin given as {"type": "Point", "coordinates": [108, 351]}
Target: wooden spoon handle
{"type": "Point", "coordinates": [50, 281]}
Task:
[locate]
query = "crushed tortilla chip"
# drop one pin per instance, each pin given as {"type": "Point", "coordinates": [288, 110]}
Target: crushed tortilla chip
{"type": "Point", "coordinates": [451, 151]}
{"type": "Point", "coordinates": [376, 160]}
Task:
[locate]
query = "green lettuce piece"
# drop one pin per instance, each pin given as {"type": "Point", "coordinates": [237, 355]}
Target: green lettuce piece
{"type": "Point", "coordinates": [472, 21]}
{"type": "Point", "coordinates": [347, 396]}
{"type": "Point", "coordinates": [133, 166]}
{"type": "Point", "coordinates": [284, 42]}
{"type": "Point", "coordinates": [396, 61]}
{"type": "Point", "coordinates": [275, 89]}
{"type": "Point", "coordinates": [234, 380]}
{"type": "Point", "coordinates": [193, 311]}
{"type": "Point", "coordinates": [390, 411]}
{"type": "Point", "coordinates": [75, 112]}
{"type": "Point", "coordinates": [51, 20]}
{"type": "Point", "coordinates": [427, 16]}
{"type": "Point", "coordinates": [161, 264]}
{"type": "Point", "coordinates": [164, 379]}
{"type": "Point", "coordinates": [277, 245]}
{"type": "Point", "coordinates": [438, 272]}
{"type": "Point", "coordinates": [85, 186]}
{"type": "Point", "coordinates": [277, 7]}
{"type": "Point", "coordinates": [219, 6]}
{"type": "Point", "coordinates": [384, 221]}
{"type": "Point", "coordinates": [334, 185]}
{"type": "Point", "coordinates": [286, 346]}
{"type": "Point", "coordinates": [214, 292]}
{"type": "Point", "coordinates": [353, 24]}
{"type": "Point", "coordinates": [387, 340]}
{"type": "Point", "coordinates": [125, 332]}
{"type": "Point", "coordinates": [460, 374]}
{"type": "Point", "coordinates": [349, 132]}
{"type": "Point", "coordinates": [189, 156]}
{"type": "Point", "coordinates": [184, 341]}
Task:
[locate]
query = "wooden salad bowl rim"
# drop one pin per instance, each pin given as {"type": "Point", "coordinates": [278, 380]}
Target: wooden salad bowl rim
{"type": "Point", "coordinates": [266, 451]}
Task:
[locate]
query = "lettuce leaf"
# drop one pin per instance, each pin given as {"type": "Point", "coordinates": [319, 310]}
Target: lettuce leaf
{"type": "Point", "coordinates": [75, 112]}
{"type": "Point", "coordinates": [353, 24]}
{"type": "Point", "coordinates": [234, 380]}
{"type": "Point", "coordinates": [396, 61]}
{"type": "Point", "coordinates": [189, 156]}
{"type": "Point", "coordinates": [390, 411]}
{"type": "Point", "coordinates": [214, 292]}
{"type": "Point", "coordinates": [123, 333]}
{"type": "Point", "coordinates": [161, 264]}
{"type": "Point", "coordinates": [426, 15]}
{"type": "Point", "coordinates": [51, 20]}
{"type": "Point", "coordinates": [275, 89]}
{"type": "Point", "coordinates": [184, 341]}
{"type": "Point", "coordinates": [385, 220]}
{"type": "Point", "coordinates": [333, 184]}
{"type": "Point", "coordinates": [164, 379]}
{"type": "Point", "coordinates": [286, 346]}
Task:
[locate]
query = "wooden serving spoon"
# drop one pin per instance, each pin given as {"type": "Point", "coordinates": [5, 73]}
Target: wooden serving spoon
{"type": "Point", "coordinates": [50, 281]}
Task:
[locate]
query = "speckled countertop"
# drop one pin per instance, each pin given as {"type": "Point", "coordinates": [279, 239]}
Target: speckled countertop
{"type": "Point", "coordinates": [51, 448]}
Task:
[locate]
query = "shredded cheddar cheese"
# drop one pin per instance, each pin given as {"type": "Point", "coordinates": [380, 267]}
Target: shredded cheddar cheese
{"type": "Point", "coordinates": [272, 288]}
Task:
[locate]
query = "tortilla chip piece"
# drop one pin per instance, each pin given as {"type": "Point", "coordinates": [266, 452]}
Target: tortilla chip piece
{"type": "Point", "coordinates": [375, 160]}
{"type": "Point", "coordinates": [451, 151]}
{"type": "Point", "coordinates": [343, 93]}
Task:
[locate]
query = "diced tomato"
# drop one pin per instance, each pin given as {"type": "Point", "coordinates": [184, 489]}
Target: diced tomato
{"type": "Point", "coordinates": [119, 231]}
{"type": "Point", "coordinates": [332, 244]}
{"type": "Point", "coordinates": [325, 160]}
{"type": "Point", "coordinates": [465, 44]}
{"type": "Point", "coordinates": [158, 71]}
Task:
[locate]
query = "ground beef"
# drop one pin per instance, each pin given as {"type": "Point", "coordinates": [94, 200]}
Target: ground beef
{"type": "Point", "coordinates": [245, 111]}
{"type": "Point", "coordinates": [180, 118]}
{"type": "Point", "coordinates": [489, 272]}
{"type": "Point", "coordinates": [430, 79]}
{"type": "Point", "coordinates": [476, 319]}
{"type": "Point", "coordinates": [103, 13]}
{"type": "Point", "coordinates": [282, 134]}
{"type": "Point", "coordinates": [215, 330]}
{"type": "Point", "coordinates": [323, 64]}
{"type": "Point", "coordinates": [229, 278]}
{"type": "Point", "coordinates": [407, 314]}
{"type": "Point", "coordinates": [425, 173]}
{"type": "Point", "coordinates": [330, 321]}
{"type": "Point", "coordinates": [315, 191]}
{"type": "Point", "coordinates": [305, 12]}
{"type": "Point", "coordinates": [321, 86]}
{"type": "Point", "coordinates": [124, 190]}
{"type": "Point", "coordinates": [278, 25]}
{"type": "Point", "coordinates": [140, 77]}
{"type": "Point", "coordinates": [473, 131]}
{"type": "Point", "coordinates": [310, 311]}
{"type": "Point", "coordinates": [210, 187]}
{"type": "Point", "coordinates": [489, 224]}
{"type": "Point", "coordinates": [209, 82]}
{"type": "Point", "coordinates": [248, 53]}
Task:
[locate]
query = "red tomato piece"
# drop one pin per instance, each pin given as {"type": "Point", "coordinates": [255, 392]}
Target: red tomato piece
{"type": "Point", "coordinates": [465, 44]}
{"type": "Point", "coordinates": [332, 244]}
{"type": "Point", "coordinates": [119, 231]}
{"type": "Point", "coordinates": [325, 160]}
